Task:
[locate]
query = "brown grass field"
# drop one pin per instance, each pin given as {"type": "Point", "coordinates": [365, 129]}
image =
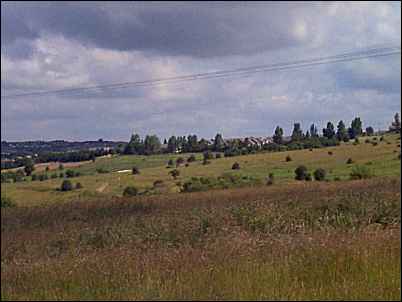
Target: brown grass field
{"type": "Point", "coordinates": [300, 241]}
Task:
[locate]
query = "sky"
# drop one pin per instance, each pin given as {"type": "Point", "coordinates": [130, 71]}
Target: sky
{"type": "Point", "coordinates": [55, 45]}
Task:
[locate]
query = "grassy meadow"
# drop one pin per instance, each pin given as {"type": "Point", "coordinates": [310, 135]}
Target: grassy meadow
{"type": "Point", "coordinates": [381, 159]}
{"type": "Point", "coordinates": [293, 240]}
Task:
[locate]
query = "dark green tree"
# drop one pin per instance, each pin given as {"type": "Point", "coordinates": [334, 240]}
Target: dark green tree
{"type": "Point", "coordinates": [369, 131]}
{"type": "Point", "coordinates": [342, 133]}
{"type": "Point", "coordinates": [219, 143]}
{"type": "Point", "coordinates": [29, 166]}
{"type": "Point", "coordinates": [355, 129]}
{"type": "Point", "coordinates": [297, 134]}
{"type": "Point", "coordinates": [278, 136]}
{"type": "Point", "coordinates": [329, 132]}
{"type": "Point", "coordinates": [152, 144]}
{"type": "Point", "coordinates": [313, 131]}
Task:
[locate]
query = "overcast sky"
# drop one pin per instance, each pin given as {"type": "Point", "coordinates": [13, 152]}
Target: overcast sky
{"type": "Point", "coordinates": [48, 46]}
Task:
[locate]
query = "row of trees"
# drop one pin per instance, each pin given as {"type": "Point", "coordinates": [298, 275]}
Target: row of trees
{"type": "Point", "coordinates": [311, 139]}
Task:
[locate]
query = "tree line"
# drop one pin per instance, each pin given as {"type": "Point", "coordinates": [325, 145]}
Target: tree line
{"type": "Point", "coordinates": [331, 136]}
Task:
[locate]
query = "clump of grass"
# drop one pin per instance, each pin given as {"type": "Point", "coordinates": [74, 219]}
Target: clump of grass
{"type": "Point", "coordinates": [361, 172]}
{"type": "Point", "coordinates": [349, 161]}
{"type": "Point", "coordinates": [130, 191]}
{"type": "Point", "coordinates": [288, 158]}
{"type": "Point", "coordinates": [270, 179]}
{"type": "Point", "coordinates": [6, 202]}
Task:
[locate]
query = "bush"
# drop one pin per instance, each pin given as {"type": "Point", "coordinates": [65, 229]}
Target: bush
{"type": "Point", "coordinates": [320, 174]}
{"type": "Point", "coordinates": [78, 185]}
{"type": "Point", "coordinates": [170, 162]}
{"type": "Point", "coordinates": [236, 166]}
{"type": "Point", "coordinates": [66, 186]}
{"type": "Point", "coordinates": [374, 143]}
{"type": "Point", "coordinates": [361, 172]}
{"type": "Point", "coordinates": [6, 202]}
{"type": "Point", "coordinates": [174, 173]}
{"type": "Point", "coordinates": [270, 179]}
{"type": "Point", "coordinates": [34, 177]}
{"type": "Point", "coordinates": [381, 138]}
{"type": "Point", "coordinates": [367, 141]}
{"type": "Point", "coordinates": [208, 155]}
{"type": "Point", "coordinates": [61, 175]}
{"type": "Point", "coordinates": [130, 191]}
{"type": "Point", "coordinates": [218, 155]}
{"type": "Point", "coordinates": [61, 167]}
{"type": "Point", "coordinates": [357, 141]}
{"type": "Point", "coordinates": [54, 175]}
{"type": "Point", "coordinates": [330, 153]}
{"type": "Point", "coordinates": [179, 161]}
{"type": "Point", "coordinates": [158, 183]}
{"type": "Point", "coordinates": [308, 177]}
{"type": "Point", "coordinates": [71, 173]}
{"type": "Point", "coordinates": [349, 161]}
{"type": "Point", "coordinates": [288, 158]}
{"type": "Point", "coordinates": [135, 171]}
{"type": "Point", "coordinates": [206, 162]}
{"type": "Point", "coordinates": [301, 173]}
{"type": "Point", "coordinates": [99, 170]}
{"type": "Point", "coordinates": [337, 178]}
{"type": "Point", "coordinates": [191, 158]}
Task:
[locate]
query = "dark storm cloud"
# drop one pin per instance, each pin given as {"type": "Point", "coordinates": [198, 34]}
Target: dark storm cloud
{"type": "Point", "coordinates": [200, 30]}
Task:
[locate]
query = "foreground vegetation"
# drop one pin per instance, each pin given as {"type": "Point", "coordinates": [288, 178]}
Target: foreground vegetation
{"type": "Point", "coordinates": [308, 240]}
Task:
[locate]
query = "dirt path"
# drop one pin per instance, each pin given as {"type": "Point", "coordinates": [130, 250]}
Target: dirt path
{"type": "Point", "coordinates": [102, 187]}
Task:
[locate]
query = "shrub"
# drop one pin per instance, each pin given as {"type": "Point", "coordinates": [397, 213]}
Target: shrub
{"type": "Point", "coordinates": [218, 155]}
{"type": "Point", "coordinates": [374, 138]}
{"type": "Point", "coordinates": [288, 158]}
{"type": "Point", "coordinates": [174, 173]}
{"type": "Point", "coordinates": [61, 175]}
{"type": "Point", "coordinates": [309, 177]}
{"type": "Point", "coordinates": [357, 141]}
{"type": "Point", "coordinates": [99, 170]}
{"type": "Point", "coordinates": [208, 155]}
{"type": "Point", "coordinates": [349, 161]}
{"type": "Point", "coordinates": [337, 178]}
{"type": "Point", "coordinates": [42, 177]}
{"type": "Point", "coordinates": [320, 174]}
{"type": "Point", "coordinates": [361, 172]}
{"type": "Point", "coordinates": [236, 166]}
{"type": "Point", "coordinates": [71, 173]}
{"type": "Point", "coordinates": [330, 153]}
{"type": "Point", "coordinates": [34, 177]}
{"type": "Point", "coordinates": [301, 173]}
{"type": "Point", "coordinates": [170, 162]}
{"type": "Point", "coordinates": [179, 161]}
{"type": "Point", "coordinates": [205, 162]}
{"type": "Point", "coordinates": [374, 143]}
{"type": "Point", "coordinates": [191, 158]}
{"type": "Point", "coordinates": [135, 171]}
{"type": "Point", "coordinates": [6, 202]}
{"type": "Point", "coordinates": [66, 185]}
{"type": "Point", "coordinates": [130, 191]}
{"type": "Point", "coordinates": [186, 165]}
{"type": "Point", "coordinates": [54, 175]}
{"type": "Point", "coordinates": [381, 138]}
{"type": "Point", "coordinates": [47, 169]}
{"type": "Point", "coordinates": [78, 185]}
{"type": "Point", "coordinates": [61, 167]}
{"type": "Point", "coordinates": [367, 141]}
{"type": "Point", "coordinates": [270, 179]}
{"type": "Point", "coordinates": [158, 183]}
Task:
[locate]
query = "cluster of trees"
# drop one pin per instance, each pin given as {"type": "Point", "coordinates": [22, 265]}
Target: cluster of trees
{"type": "Point", "coordinates": [331, 136]}
{"type": "Point", "coordinates": [73, 156]}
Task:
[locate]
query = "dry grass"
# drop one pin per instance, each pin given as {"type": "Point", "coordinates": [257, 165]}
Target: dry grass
{"type": "Point", "coordinates": [337, 240]}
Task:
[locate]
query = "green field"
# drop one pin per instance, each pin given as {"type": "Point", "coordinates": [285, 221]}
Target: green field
{"type": "Point", "coordinates": [293, 240]}
{"type": "Point", "coordinates": [381, 159]}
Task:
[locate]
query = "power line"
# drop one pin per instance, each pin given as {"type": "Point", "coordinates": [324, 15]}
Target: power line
{"type": "Point", "coordinates": [343, 57]}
